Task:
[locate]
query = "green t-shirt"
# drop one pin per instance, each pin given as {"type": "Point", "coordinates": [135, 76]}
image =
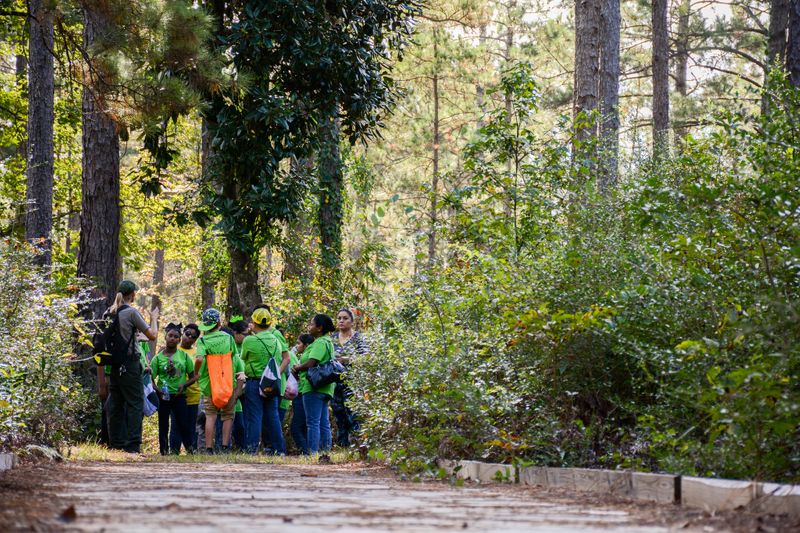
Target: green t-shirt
{"type": "Point", "coordinates": [184, 365]}
{"type": "Point", "coordinates": [217, 342]}
{"type": "Point", "coordinates": [321, 350]}
{"type": "Point", "coordinates": [238, 366]}
{"type": "Point", "coordinates": [256, 351]}
{"type": "Point", "coordinates": [284, 346]}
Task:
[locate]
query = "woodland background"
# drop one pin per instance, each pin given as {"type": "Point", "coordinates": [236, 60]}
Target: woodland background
{"type": "Point", "coordinates": [571, 227]}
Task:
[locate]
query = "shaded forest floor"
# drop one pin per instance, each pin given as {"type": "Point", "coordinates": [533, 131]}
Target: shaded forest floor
{"type": "Point", "coordinates": [296, 496]}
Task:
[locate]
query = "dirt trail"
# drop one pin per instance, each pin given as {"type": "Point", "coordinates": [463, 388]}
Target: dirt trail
{"type": "Point", "coordinates": [202, 497]}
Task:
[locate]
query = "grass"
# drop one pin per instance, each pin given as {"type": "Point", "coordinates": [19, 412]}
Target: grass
{"type": "Point", "coordinates": [96, 452]}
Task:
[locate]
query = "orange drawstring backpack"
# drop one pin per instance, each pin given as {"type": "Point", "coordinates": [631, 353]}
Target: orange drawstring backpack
{"type": "Point", "coordinates": [220, 374]}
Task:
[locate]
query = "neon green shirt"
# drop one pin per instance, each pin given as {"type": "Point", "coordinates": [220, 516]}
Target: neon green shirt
{"type": "Point", "coordinates": [217, 342]}
{"type": "Point", "coordinates": [321, 350]}
{"type": "Point", "coordinates": [281, 339]}
{"type": "Point", "coordinates": [184, 365]}
{"type": "Point", "coordinates": [256, 351]}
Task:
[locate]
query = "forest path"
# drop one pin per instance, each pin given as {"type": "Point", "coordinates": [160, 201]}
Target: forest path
{"type": "Point", "coordinates": [200, 497]}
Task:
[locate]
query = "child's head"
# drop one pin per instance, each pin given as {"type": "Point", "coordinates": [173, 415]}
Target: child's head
{"type": "Point", "coordinates": [240, 329]}
{"type": "Point", "coordinates": [302, 342]}
{"type": "Point", "coordinates": [190, 335]}
{"type": "Point", "coordinates": [172, 335]}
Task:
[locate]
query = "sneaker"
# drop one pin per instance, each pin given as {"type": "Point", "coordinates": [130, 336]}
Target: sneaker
{"type": "Point", "coordinates": [325, 459]}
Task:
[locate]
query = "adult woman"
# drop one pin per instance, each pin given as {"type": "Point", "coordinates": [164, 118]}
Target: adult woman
{"type": "Point", "coordinates": [125, 391]}
{"type": "Point", "coordinates": [173, 371]}
{"type": "Point", "coordinates": [315, 400]}
{"type": "Point", "coordinates": [349, 345]}
{"type": "Point", "coordinates": [257, 350]}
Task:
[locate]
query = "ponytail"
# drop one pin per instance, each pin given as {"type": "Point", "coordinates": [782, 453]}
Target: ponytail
{"type": "Point", "coordinates": [119, 301]}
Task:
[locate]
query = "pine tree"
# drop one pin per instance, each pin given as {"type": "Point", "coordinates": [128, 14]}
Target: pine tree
{"type": "Point", "coordinates": [41, 98]}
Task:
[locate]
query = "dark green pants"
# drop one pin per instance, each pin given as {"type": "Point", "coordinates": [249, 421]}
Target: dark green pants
{"type": "Point", "coordinates": [125, 407]}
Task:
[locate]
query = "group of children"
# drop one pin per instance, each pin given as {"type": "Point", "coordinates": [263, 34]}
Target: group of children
{"type": "Point", "coordinates": [210, 396]}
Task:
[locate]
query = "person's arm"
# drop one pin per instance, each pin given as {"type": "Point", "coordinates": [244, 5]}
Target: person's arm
{"type": "Point", "coordinates": [284, 361]}
{"type": "Point", "coordinates": [102, 383]}
{"type": "Point", "coordinates": [312, 360]}
{"type": "Point", "coordinates": [150, 330]}
{"type": "Point", "coordinates": [192, 375]}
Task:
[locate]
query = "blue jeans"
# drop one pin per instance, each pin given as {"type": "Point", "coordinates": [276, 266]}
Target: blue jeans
{"type": "Point", "coordinates": [273, 425]}
{"type": "Point", "coordinates": [253, 413]}
{"type": "Point", "coordinates": [315, 405]}
{"type": "Point", "coordinates": [173, 410]}
{"type": "Point", "coordinates": [297, 427]}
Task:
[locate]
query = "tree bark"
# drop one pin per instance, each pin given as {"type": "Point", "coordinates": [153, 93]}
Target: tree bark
{"type": "Point", "coordinates": [331, 195]}
{"type": "Point", "coordinates": [243, 291]}
{"type": "Point", "coordinates": [609, 92]}
{"type": "Point", "coordinates": [508, 202]}
{"type": "Point", "coordinates": [158, 287]}
{"type": "Point", "coordinates": [98, 252]}
{"type": "Point", "coordinates": [682, 63]}
{"type": "Point", "coordinates": [587, 59]}
{"type": "Point", "coordinates": [433, 211]}
{"type": "Point", "coordinates": [295, 249]}
{"type": "Point", "coordinates": [778, 24]}
{"type": "Point", "coordinates": [41, 97]}
{"type": "Point", "coordinates": [660, 79]}
{"type": "Point", "coordinates": [207, 281]}
{"type": "Point", "coordinates": [776, 43]}
{"type": "Point", "coordinates": [793, 47]}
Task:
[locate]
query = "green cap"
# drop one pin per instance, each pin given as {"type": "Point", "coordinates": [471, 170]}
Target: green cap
{"type": "Point", "coordinates": [126, 287]}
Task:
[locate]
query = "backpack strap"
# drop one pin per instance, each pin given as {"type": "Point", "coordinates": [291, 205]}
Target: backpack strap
{"type": "Point", "coordinates": [265, 347]}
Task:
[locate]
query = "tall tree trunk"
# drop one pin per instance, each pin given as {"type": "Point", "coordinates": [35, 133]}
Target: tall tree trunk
{"type": "Point", "coordinates": [793, 48]}
{"type": "Point", "coordinates": [587, 60]}
{"type": "Point", "coordinates": [158, 288]}
{"type": "Point", "coordinates": [296, 249]}
{"type": "Point", "coordinates": [433, 213]}
{"type": "Point", "coordinates": [508, 203]}
{"type": "Point", "coordinates": [41, 96]}
{"type": "Point", "coordinates": [609, 92]}
{"type": "Point", "coordinates": [207, 281]}
{"type": "Point", "coordinates": [776, 43]}
{"type": "Point", "coordinates": [682, 64]}
{"type": "Point", "coordinates": [98, 251]}
{"type": "Point", "coordinates": [660, 79]}
{"type": "Point", "coordinates": [480, 90]}
{"type": "Point", "coordinates": [243, 291]}
{"type": "Point", "coordinates": [778, 24]}
{"type": "Point", "coordinates": [331, 197]}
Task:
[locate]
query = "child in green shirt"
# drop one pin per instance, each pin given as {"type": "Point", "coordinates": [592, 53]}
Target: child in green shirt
{"type": "Point", "coordinates": [172, 372]}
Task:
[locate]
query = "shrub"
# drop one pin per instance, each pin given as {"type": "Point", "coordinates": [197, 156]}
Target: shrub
{"type": "Point", "coordinates": [41, 399]}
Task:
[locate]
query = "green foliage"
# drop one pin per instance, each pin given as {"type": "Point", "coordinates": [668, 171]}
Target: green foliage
{"type": "Point", "coordinates": [296, 63]}
{"type": "Point", "coordinates": [41, 400]}
{"type": "Point", "coordinates": [654, 327]}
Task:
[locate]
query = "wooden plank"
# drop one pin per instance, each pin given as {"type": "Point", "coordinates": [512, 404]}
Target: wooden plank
{"type": "Point", "coordinates": [663, 488]}
{"type": "Point", "coordinates": [777, 499]}
{"type": "Point", "coordinates": [716, 494]}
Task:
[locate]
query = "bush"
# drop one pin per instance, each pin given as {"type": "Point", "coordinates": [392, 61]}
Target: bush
{"type": "Point", "coordinates": [654, 327]}
{"type": "Point", "coordinates": [41, 399]}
